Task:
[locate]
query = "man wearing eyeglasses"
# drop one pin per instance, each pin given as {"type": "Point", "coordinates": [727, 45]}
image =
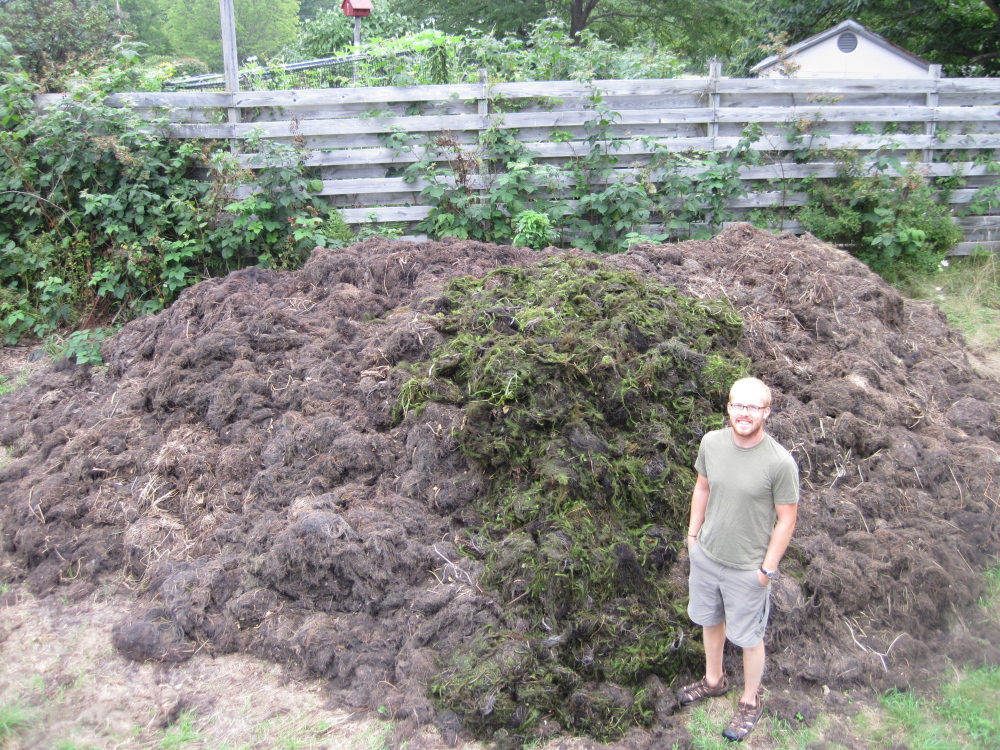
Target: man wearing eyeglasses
{"type": "Point", "coordinates": [743, 512]}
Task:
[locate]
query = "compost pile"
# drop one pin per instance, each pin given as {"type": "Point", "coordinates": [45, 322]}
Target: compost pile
{"type": "Point", "coordinates": [337, 468]}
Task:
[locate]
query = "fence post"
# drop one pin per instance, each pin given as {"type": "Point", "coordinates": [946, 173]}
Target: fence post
{"type": "Point", "coordinates": [483, 103]}
{"type": "Point", "coordinates": [231, 64]}
{"type": "Point", "coordinates": [714, 99]}
{"type": "Point", "coordinates": [930, 127]}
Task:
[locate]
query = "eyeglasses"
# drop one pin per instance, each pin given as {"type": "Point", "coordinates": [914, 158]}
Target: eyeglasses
{"type": "Point", "coordinates": [748, 408]}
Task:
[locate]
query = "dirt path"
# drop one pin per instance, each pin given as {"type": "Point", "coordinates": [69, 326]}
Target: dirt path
{"type": "Point", "coordinates": [58, 662]}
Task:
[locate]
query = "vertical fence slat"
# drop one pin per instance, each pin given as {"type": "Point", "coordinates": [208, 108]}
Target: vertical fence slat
{"type": "Point", "coordinates": [930, 127]}
{"type": "Point", "coordinates": [714, 99]}
{"type": "Point", "coordinates": [230, 62]}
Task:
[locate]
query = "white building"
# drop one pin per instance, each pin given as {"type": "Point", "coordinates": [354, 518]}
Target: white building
{"type": "Point", "coordinates": [848, 50]}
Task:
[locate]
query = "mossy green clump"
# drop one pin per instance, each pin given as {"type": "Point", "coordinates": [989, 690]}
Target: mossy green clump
{"type": "Point", "coordinates": [586, 390]}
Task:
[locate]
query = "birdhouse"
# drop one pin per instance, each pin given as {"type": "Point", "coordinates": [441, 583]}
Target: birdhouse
{"type": "Point", "coordinates": [357, 7]}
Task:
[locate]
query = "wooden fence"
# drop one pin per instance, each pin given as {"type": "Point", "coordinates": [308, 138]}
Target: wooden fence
{"type": "Point", "coordinates": [944, 122]}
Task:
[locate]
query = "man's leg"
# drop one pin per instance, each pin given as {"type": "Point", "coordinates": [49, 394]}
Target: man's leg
{"type": "Point", "coordinates": [753, 672]}
{"type": "Point", "coordinates": [705, 605]}
{"type": "Point", "coordinates": [714, 638]}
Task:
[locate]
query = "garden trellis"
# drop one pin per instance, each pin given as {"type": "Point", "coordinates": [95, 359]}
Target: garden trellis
{"type": "Point", "coordinates": [951, 126]}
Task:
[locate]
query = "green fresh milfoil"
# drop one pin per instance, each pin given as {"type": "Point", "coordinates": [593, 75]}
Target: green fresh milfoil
{"type": "Point", "coordinates": [586, 390]}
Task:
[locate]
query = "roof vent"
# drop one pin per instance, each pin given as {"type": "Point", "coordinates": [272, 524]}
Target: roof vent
{"type": "Point", "coordinates": [847, 42]}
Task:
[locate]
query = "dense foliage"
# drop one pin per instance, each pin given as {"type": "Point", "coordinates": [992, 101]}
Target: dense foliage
{"type": "Point", "coordinates": [100, 218]}
{"type": "Point", "coordinates": [890, 217]}
{"type": "Point", "coordinates": [496, 190]}
{"type": "Point", "coordinates": [330, 32]}
{"type": "Point", "coordinates": [545, 53]}
{"type": "Point", "coordinates": [57, 38]}
{"type": "Point", "coordinates": [262, 28]}
{"type": "Point", "coordinates": [694, 30]}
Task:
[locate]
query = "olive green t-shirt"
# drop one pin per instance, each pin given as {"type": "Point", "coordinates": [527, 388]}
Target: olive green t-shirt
{"type": "Point", "coordinates": [744, 486]}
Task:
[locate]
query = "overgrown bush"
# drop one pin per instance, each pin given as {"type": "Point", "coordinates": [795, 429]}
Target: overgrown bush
{"type": "Point", "coordinates": [59, 39]}
{"type": "Point", "coordinates": [330, 32]}
{"type": "Point", "coordinates": [400, 54]}
{"type": "Point", "coordinates": [886, 215]}
{"type": "Point", "coordinates": [101, 217]}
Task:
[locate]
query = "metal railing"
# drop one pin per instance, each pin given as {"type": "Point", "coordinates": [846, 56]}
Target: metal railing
{"type": "Point", "coordinates": [328, 72]}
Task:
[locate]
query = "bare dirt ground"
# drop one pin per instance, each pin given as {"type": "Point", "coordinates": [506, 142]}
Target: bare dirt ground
{"type": "Point", "coordinates": [80, 694]}
{"type": "Point", "coordinates": [231, 488]}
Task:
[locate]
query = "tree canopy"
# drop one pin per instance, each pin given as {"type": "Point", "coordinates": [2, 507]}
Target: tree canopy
{"type": "Point", "coordinates": [311, 8]}
{"type": "Point", "coordinates": [331, 31]}
{"type": "Point", "coordinates": [56, 37]}
{"type": "Point", "coordinates": [147, 19]}
{"type": "Point", "coordinates": [697, 30]}
{"type": "Point", "coordinates": [262, 28]}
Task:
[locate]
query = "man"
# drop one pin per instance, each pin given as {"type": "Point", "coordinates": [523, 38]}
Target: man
{"type": "Point", "coordinates": [743, 512]}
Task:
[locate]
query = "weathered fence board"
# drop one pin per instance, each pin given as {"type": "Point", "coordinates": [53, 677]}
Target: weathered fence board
{"type": "Point", "coordinates": [939, 120]}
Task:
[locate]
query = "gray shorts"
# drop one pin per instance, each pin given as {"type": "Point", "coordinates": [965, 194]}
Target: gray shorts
{"type": "Point", "coordinates": [719, 593]}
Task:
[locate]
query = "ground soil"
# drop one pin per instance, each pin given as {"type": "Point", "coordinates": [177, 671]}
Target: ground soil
{"type": "Point", "coordinates": [235, 467]}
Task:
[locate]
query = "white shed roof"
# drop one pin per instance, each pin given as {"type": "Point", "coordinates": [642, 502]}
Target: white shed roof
{"type": "Point", "coordinates": [848, 25]}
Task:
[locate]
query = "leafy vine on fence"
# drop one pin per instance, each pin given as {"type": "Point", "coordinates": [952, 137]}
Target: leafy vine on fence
{"type": "Point", "coordinates": [493, 187]}
{"type": "Point", "coordinates": [104, 217]}
{"type": "Point", "coordinates": [885, 213]}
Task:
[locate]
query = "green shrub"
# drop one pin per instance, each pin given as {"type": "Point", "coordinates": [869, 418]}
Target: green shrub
{"type": "Point", "coordinates": [893, 221]}
{"type": "Point", "coordinates": [533, 230]}
{"type": "Point", "coordinates": [100, 213]}
{"type": "Point", "coordinates": [402, 54]}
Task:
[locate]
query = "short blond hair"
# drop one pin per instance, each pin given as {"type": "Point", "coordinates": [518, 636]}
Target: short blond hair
{"type": "Point", "coordinates": [756, 383]}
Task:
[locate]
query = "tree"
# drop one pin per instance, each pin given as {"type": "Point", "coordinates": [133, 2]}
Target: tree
{"type": "Point", "coordinates": [311, 8]}
{"type": "Point", "coordinates": [331, 31]}
{"type": "Point", "coordinates": [697, 29]}
{"type": "Point", "coordinates": [147, 19]}
{"type": "Point", "coordinates": [262, 28]}
{"type": "Point", "coordinates": [513, 17]}
{"type": "Point", "coordinates": [962, 35]}
{"type": "Point", "coordinates": [56, 37]}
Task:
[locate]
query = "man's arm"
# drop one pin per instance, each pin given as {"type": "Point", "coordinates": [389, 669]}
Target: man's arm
{"type": "Point", "coordinates": [780, 537]}
{"type": "Point", "coordinates": [699, 502]}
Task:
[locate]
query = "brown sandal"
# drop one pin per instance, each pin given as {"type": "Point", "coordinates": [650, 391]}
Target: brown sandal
{"type": "Point", "coordinates": [744, 721]}
{"type": "Point", "coordinates": [696, 691]}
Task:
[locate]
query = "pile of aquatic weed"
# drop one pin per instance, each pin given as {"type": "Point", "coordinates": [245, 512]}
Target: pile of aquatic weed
{"type": "Point", "coordinates": [585, 391]}
{"type": "Point", "coordinates": [236, 470]}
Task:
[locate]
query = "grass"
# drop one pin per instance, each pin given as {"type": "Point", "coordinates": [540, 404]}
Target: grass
{"type": "Point", "coordinates": [16, 377]}
{"type": "Point", "coordinates": [967, 290]}
{"type": "Point", "coordinates": [965, 717]}
{"type": "Point", "coordinates": [771, 732]}
{"type": "Point", "coordinates": [7, 385]}
{"type": "Point", "coordinates": [181, 733]}
{"type": "Point", "coordinates": [13, 718]}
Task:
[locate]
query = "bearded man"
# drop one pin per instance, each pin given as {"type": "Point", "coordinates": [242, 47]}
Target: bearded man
{"type": "Point", "coordinates": [743, 512]}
